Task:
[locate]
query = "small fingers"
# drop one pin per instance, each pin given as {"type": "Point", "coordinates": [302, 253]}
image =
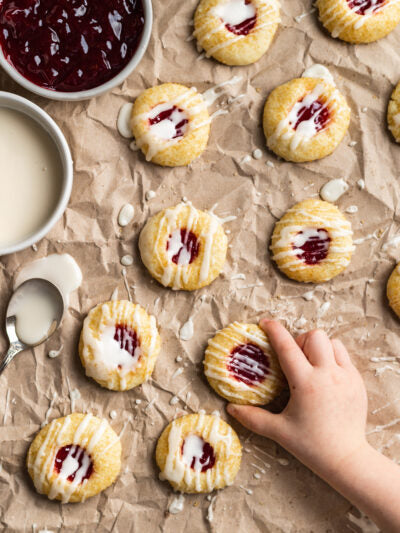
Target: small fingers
{"type": "Point", "coordinates": [290, 356]}
{"type": "Point", "coordinates": [258, 420]}
{"type": "Point", "coordinates": [340, 352]}
{"type": "Point", "coordinates": [318, 348]}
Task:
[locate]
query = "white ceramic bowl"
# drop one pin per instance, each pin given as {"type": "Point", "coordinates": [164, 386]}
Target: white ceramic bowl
{"type": "Point", "coordinates": [96, 91]}
{"type": "Point", "coordinates": [12, 101]}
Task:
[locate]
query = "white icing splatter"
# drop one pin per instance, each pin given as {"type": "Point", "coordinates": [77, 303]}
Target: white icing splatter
{"type": "Point", "coordinates": [187, 330]}
{"type": "Point", "coordinates": [320, 72]}
{"type": "Point", "coordinates": [113, 414]}
{"type": "Point", "coordinates": [123, 121]}
{"type": "Point", "coordinates": [126, 215]}
{"type": "Point", "coordinates": [177, 504]}
{"type": "Point", "coordinates": [352, 209]}
{"type": "Point", "coordinates": [150, 195]}
{"type": "Point", "coordinates": [127, 260]}
{"type": "Point", "coordinates": [333, 190]}
{"type": "Point", "coordinates": [361, 184]}
{"type": "Point", "coordinates": [257, 153]}
{"type": "Point", "coordinates": [55, 353]}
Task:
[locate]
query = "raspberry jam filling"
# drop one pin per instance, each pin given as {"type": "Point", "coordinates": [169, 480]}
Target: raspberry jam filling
{"type": "Point", "coordinates": [316, 114]}
{"type": "Point", "coordinates": [365, 7]}
{"type": "Point", "coordinates": [312, 245]}
{"type": "Point", "coordinates": [127, 340]}
{"type": "Point", "coordinates": [168, 122]}
{"type": "Point", "coordinates": [248, 363]}
{"type": "Point", "coordinates": [197, 453]}
{"type": "Point", "coordinates": [239, 16]}
{"type": "Point", "coordinates": [73, 463]}
{"type": "Point", "coordinates": [70, 45]}
{"type": "Point", "coordinates": [183, 247]}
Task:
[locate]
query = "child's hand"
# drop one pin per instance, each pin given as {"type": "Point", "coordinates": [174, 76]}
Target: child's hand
{"type": "Point", "coordinates": [323, 424]}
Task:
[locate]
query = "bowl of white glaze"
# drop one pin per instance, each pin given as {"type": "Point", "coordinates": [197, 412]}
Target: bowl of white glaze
{"type": "Point", "coordinates": [36, 181]}
{"type": "Point", "coordinates": [119, 78]}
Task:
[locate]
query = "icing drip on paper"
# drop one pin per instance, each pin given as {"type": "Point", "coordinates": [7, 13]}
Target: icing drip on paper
{"type": "Point", "coordinates": [333, 190]}
{"type": "Point", "coordinates": [124, 121]}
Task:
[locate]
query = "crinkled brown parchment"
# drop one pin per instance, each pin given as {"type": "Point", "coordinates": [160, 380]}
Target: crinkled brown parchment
{"type": "Point", "coordinates": [288, 497]}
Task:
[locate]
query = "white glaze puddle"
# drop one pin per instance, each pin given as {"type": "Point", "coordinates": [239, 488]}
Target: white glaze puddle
{"type": "Point", "coordinates": [124, 121]}
{"type": "Point", "coordinates": [167, 128]}
{"type": "Point", "coordinates": [187, 330]}
{"type": "Point", "coordinates": [125, 215]}
{"type": "Point", "coordinates": [234, 12]}
{"type": "Point", "coordinates": [35, 311]}
{"type": "Point", "coordinates": [320, 72]}
{"type": "Point", "coordinates": [30, 177]}
{"type": "Point", "coordinates": [333, 190]}
{"type": "Point", "coordinates": [60, 269]}
{"type": "Point", "coordinates": [214, 93]}
{"type": "Point", "coordinates": [193, 449]}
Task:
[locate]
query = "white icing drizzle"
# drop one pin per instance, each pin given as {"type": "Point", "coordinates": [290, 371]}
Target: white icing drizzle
{"type": "Point", "coordinates": [177, 469]}
{"type": "Point", "coordinates": [210, 510]}
{"type": "Point", "coordinates": [336, 226]}
{"type": "Point", "coordinates": [169, 225]}
{"type": "Point", "coordinates": [156, 139]}
{"type": "Point", "coordinates": [46, 416]}
{"type": "Point", "coordinates": [124, 277]}
{"type": "Point", "coordinates": [74, 395]}
{"type": "Point", "coordinates": [108, 354]}
{"type": "Point", "coordinates": [235, 10]}
{"type": "Point", "coordinates": [319, 71]}
{"type": "Point", "coordinates": [307, 129]}
{"type": "Point", "coordinates": [352, 209]}
{"type": "Point", "coordinates": [300, 17]}
{"type": "Point", "coordinates": [125, 215]}
{"type": "Point", "coordinates": [124, 121]}
{"type": "Point", "coordinates": [219, 353]}
{"type": "Point", "coordinates": [42, 466]}
{"type": "Point", "coordinates": [350, 17]}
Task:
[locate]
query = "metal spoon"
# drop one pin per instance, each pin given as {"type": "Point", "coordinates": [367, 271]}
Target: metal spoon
{"type": "Point", "coordinates": [52, 292]}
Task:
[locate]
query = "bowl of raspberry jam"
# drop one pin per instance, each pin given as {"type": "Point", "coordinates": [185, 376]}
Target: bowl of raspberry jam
{"type": "Point", "coordinates": [73, 49]}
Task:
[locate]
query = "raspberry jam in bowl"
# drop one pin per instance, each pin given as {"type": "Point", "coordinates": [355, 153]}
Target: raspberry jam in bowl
{"type": "Point", "coordinates": [72, 49]}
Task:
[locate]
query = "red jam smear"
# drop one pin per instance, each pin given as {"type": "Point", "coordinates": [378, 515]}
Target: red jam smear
{"type": "Point", "coordinates": [207, 459]}
{"type": "Point", "coordinates": [78, 454]}
{"type": "Point", "coordinates": [127, 339]}
{"type": "Point", "coordinates": [315, 248]}
{"type": "Point", "coordinates": [245, 27]}
{"type": "Point", "coordinates": [180, 127]}
{"type": "Point", "coordinates": [318, 110]}
{"type": "Point", "coordinates": [248, 363]}
{"type": "Point", "coordinates": [361, 7]}
{"type": "Point", "coordinates": [70, 45]}
{"type": "Point", "coordinates": [189, 245]}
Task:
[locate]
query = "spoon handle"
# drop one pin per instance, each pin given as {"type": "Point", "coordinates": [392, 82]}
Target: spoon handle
{"type": "Point", "coordinates": [12, 352]}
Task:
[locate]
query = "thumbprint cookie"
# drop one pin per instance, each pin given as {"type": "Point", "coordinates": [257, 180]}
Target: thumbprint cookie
{"type": "Point", "coordinates": [119, 345]}
{"type": "Point", "coordinates": [183, 248]}
{"type": "Point", "coordinates": [236, 32]}
{"type": "Point", "coordinates": [241, 367]}
{"type": "Point", "coordinates": [305, 119]}
{"type": "Point", "coordinates": [74, 458]}
{"type": "Point", "coordinates": [393, 290]}
{"type": "Point", "coordinates": [312, 242]}
{"type": "Point", "coordinates": [171, 124]}
{"type": "Point", "coordinates": [359, 21]}
{"type": "Point", "coordinates": [198, 453]}
{"type": "Point", "coordinates": [393, 114]}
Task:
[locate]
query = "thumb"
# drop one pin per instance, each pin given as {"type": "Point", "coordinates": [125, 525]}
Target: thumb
{"type": "Point", "coordinates": [258, 420]}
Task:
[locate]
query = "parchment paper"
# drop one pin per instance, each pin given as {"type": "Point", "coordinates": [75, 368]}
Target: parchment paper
{"type": "Point", "coordinates": [288, 498]}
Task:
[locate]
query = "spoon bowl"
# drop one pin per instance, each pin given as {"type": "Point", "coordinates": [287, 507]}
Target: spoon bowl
{"type": "Point", "coordinates": [39, 293]}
